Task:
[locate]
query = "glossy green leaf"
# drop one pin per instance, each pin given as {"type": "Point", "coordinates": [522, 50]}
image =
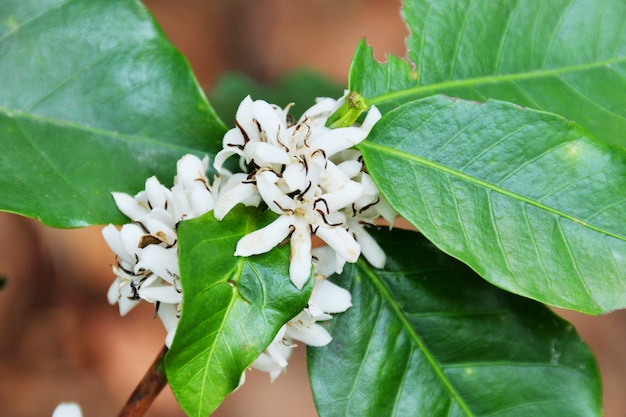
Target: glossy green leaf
{"type": "Point", "coordinates": [563, 56]}
{"type": "Point", "coordinates": [529, 200]}
{"type": "Point", "coordinates": [300, 88]}
{"type": "Point", "coordinates": [232, 307]}
{"type": "Point", "coordinates": [427, 337]}
{"type": "Point", "coordinates": [64, 173]}
{"type": "Point", "coordinates": [104, 68]}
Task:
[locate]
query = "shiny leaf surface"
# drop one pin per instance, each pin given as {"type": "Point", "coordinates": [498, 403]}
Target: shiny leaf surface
{"type": "Point", "coordinates": [39, 177]}
{"type": "Point", "coordinates": [103, 68]}
{"type": "Point", "coordinates": [529, 200]}
{"type": "Point", "coordinates": [427, 337]}
{"type": "Point", "coordinates": [565, 56]}
{"type": "Point", "coordinates": [232, 307]}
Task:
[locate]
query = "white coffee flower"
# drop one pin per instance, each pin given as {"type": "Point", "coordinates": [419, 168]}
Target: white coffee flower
{"type": "Point", "coordinates": [365, 210]}
{"type": "Point", "coordinates": [305, 172]}
{"type": "Point", "coordinates": [295, 176]}
{"type": "Point", "coordinates": [146, 250]}
{"type": "Point", "coordinates": [301, 215]}
{"type": "Point", "coordinates": [326, 299]}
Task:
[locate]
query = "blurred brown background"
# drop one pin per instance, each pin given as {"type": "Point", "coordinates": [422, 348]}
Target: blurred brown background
{"type": "Point", "coordinates": [61, 341]}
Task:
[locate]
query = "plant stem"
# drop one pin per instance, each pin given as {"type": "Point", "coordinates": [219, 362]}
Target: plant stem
{"type": "Point", "coordinates": [147, 390]}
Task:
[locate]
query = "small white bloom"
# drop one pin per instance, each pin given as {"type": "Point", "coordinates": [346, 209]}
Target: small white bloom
{"type": "Point", "coordinates": [67, 409]}
{"type": "Point", "coordinates": [304, 328]}
{"type": "Point", "coordinates": [273, 359]}
{"type": "Point", "coordinates": [326, 298]}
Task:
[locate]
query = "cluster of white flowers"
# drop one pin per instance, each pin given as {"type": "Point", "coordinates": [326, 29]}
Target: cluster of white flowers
{"type": "Point", "coordinates": [146, 250]}
{"type": "Point", "coordinates": [304, 171]}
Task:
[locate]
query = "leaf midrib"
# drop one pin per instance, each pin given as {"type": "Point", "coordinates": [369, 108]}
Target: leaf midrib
{"type": "Point", "coordinates": [219, 338]}
{"type": "Point", "coordinates": [437, 369]}
{"type": "Point", "coordinates": [422, 90]}
{"type": "Point", "coordinates": [63, 123]}
{"type": "Point", "coordinates": [485, 184]}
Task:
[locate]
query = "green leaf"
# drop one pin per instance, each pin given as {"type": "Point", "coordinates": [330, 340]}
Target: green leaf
{"type": "Point", "coordinates": [563, 56]}
{"type": "Point", "coordinates": [300, 87]}
{"type": "Point", "coordinates": [530, 201]}
{"type": "Point", "coordinates": [64, 174]}
{"type": "Point", "coordinates": [233, 307]}
{"type": "Point", "coordinates": [105, 68]}
{"type": "Point", "coordinates": [427, 337]}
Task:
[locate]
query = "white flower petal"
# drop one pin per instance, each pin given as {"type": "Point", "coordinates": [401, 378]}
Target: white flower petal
{"type": "Point", "coordinates": [240, 193]}
{"type": "Point", "coordinates": [263, 240]}
{"type": "Point", "coordinates": [125, 302]}
{"type": "Point", "coordinates": [341, 241]}
{"type": "Point", "coordinates": [265, 154]}
{"type": "Point", "coordinates": [343, 197]}
{"type": "Point", "coordinates": [386, 211]}
{"type": "Point", "coordinates": [161, 261]}
{"type": "Point", "coordinates": [158, 195]}
{"type": "Point", "coordinates": [190, 171]}
{"type": "Point", "coordinates": [350, 168]}
{"type": "Point", "coordinates": [130, 235]}
{"type": "Point", "coordinates": [271, 120]}
{"type": "Point", "coordinates": [275, 199]}
{"type": "Point", "coordinates": [369, 186]}
{"type": "Point", "coordinates": [369, 247]}
{"type": "Point", "coordinates": [295, 178]}
{"type": "Point", "coordinates": [67, 409]}
{"type": "Point", "coordinates": [268, 362]}
{"type": "Point", "coordinates": [160, 229]}
{"type": "Point", "coordinates": [323, 107]}
{"type": "Point", "coordinates": [274, 357]}
{"type": "Point", "coordinates": [373, 116]}
{"type": "Point", "coordinates": [168, 313]}
{"type": "Point", "coordinates": [245, 120]}
{"type": "Point", "coordinates": [333, 178]}
{"type": "Point", "coordinates": [201, 201]}
{"type": "Point", "coordinates": [330, 298]}
{"type": "Point", "coordinates": [129, 206]}
{"type": "Point", "coordinates": [337, 140]}
{"type": "Point", "coordinates": [312, 334]}
{"type": "Point", "coordinates": [113, 294]}
{"type": "Point", "coordinates": [169, 338]}
{"type": "Point", "coordinates": [300, 265]}
{"type": "Point", "coordinates": [222, 156]}
{"type": "Point", "coordinates": [182, 205]}
{"type": "Point", "coordinates": [113, 238]}
{"type": "Point", "coordinates": [317, 314]}
{"type": "Point", "coordinates": [348, 155]}
{"type": "Point", "coordinates": [326, 261]}
{"type": "Point", "coordinates": [159, 292]}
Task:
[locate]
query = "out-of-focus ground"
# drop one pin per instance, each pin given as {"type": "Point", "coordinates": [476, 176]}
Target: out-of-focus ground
{"type": "Point", "coordinates": [60, 340]}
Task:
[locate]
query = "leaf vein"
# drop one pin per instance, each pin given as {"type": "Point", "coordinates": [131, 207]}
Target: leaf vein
{"type": "Point", "coordinates": [482, 183]}
{"type": "Point", "coordinates": [435, 365]}
{"type": "Point", "coordinates": [503, 37]}
{"type": "Point", "coordinates": [555, 32]}
{"type": "Point", "coordinates": [34, 19]}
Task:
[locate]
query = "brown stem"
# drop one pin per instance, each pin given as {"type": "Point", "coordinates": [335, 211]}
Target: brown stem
{"type": "Point", "coordinates": [149, 387]}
